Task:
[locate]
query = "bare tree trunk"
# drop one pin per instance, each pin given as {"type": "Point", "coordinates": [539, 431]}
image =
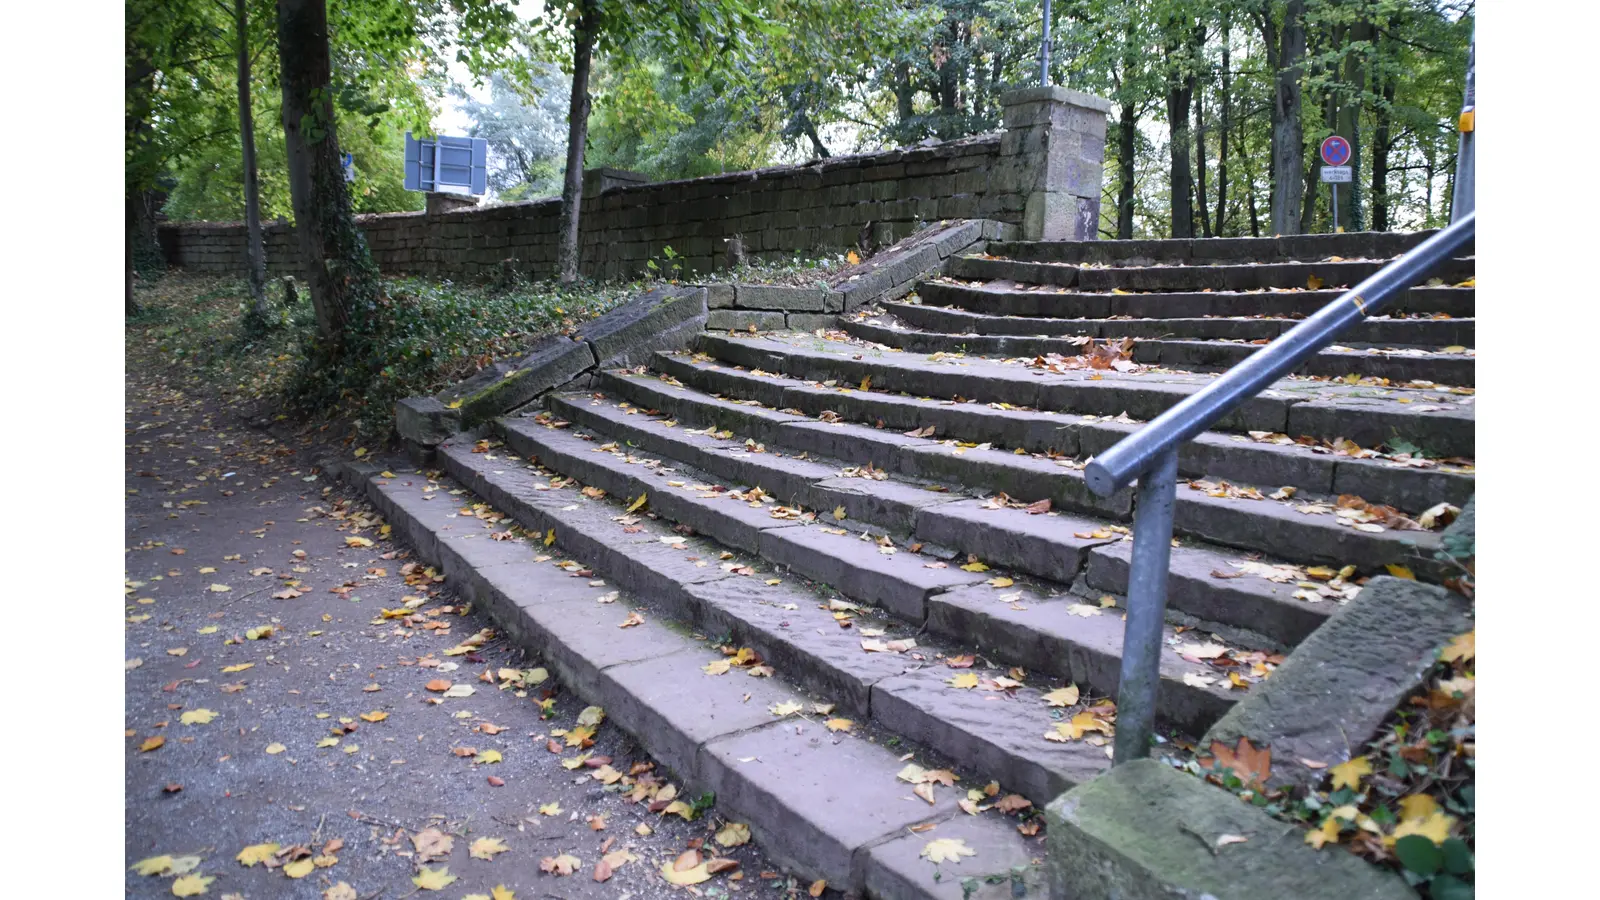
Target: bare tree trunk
{"type": "Point", "coordinates": [1348, 122]}
{"type": "Point", "coordinates": [577, 138]}
{"type": "Point", "coordinates": [1200, 160]}
{"type": "Point", "coordinates": [255, 253]}
{"type": "Point", "coordinates": [1127, 132]}
{"type": "Point", "coordinates": [130, 306]}
{"type": "Point", "coordinates": [1180, 92]}
{"type": "Point", "coordinates": [1249, 180]}
{"type": "Point", "coordinates": [1222, 132]}
{"type": "Point", "coordinates": [1287, 137]}
{"type": "Point", "coordinates": [334, 258]}
{"type": "Point", "coordinates": [904, 93]}
{"type": "Point", "coordinates": [1380, 160]}
{"type": "Point", "coordinates": [810, 129]}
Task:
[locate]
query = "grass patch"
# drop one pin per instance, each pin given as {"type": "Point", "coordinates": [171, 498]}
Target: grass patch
{"type": "Point", "coordinates": [425, 335]}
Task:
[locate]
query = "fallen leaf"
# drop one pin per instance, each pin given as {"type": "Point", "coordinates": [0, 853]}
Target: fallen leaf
{"type": "Point", "coordinates": [154, 865]}
{"type": "Point", "coordinates": [487, 847]}
{"type": "Point", "coordinates": [488, 756]}
{"type": "Point", "coordinates": [192, 885]}
{"type": "Point", "coordinates": [257, 853]}
{"type": "Point", "coordinates": [817, 887]}
{"type": "Point", "coordinates": [376, 715]}
{"type": "Point", "coordinates": [552, 808]}
{"type": "Point", "coordinates": [433, 879]}
{"type": "Point", "coordinates": [950, 850]}
{"type": "Point", "coordinates": [965, 681]}
{"type": "Point", "coordinates": [632, 620]}
{"type": "Point", "coordinates": [340, 891]}
{"type": "Point", "coordinates": [839, 724]}
{"type": "Point", "coordinates": [1461, 647]}
{"type": "Point", "coordinates": [733, 834]}
{"type": "Point", "coordinates": [198, 717]}
{"type": "Point", "coordinates": [785, 708]}
{"type": "Point", "coordinates": [275, 748]}
{"type": "Point", "coordinates": [300, 868]}
{"type": "Point", "coordinates": [152, 744]}
{"type": "Point", "coordinates": [1349, 774]}
{"type": "Point", "coordinates": [1062, 696]}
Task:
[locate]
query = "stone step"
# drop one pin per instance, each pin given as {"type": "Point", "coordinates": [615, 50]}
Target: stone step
{"type": "Point", "coordinates": [1186, 251]}
{"type": "Point", "coordinates": [1053, 546]}
{"type": "Point", "coordinates": [1234, 457]}
{"type": "Point", "coordinates": [790, 624]}
{"type": "Point", "coordinates": [1007, 298]}
{"type": "Point", "coordinates": [826, 804]}
{"type": "Point", "coordinates": [1395, 365]}
{"type": "Point", "coordinates": [1441, 422]}
{"type": "Point", "coordinates": [1345, 274]}
{"type": "Point", "coordinates": [1381, 330]}
{"type": "Point", "coordinates": [901, 583]}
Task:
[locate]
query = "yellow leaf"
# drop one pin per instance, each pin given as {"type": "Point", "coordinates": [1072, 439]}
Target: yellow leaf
{"type": "Point", "coordinates": [153, 865]}
{"type": "Point", "coordinates": [1329, 831]}
{"type": "Point", "coordinates": [198, 717]}
{"type": "Point", "coordinates": [1462, 646]}
{"type": "Point", "coordinates": [239, 668]}
{"type": "Point", "coordinates": [257, 853]}
{"type": "Point", "coordinates": [1063, 696]}
{"type": "Point", "coordinates": [360, 452]}
{"type": "Point", "coordinates": [946, 850]}
{"type": "Point", "coordinates": [357, 541]}
{"type": "Point", "coordinates": [691, 875]}
{"type": "Point", "coordinates": [1001, 582]}
{"type": "Point", "coordinates": [866, 383]}
{"type": "Point", "coordinates": [1399, 571]}
{"type": "Point", "coordinates": [275, 748]}
{"type": "Point", "coordinates": [1348, 774]}
{"type": "Point", "coordinates": [636, 505]}
{"type": "Point", "coordinates": [852, 257]}
{"type": "Point", "coordinates": [550, 537]}
{"type": "Point", "coordinates": [192, 885]}
{"type": "Point", "coordinates": [501, 892]}
{"type": "Point", "coordinates": [717, 667]}
{"type": "Point", "coordinates": [487, 847]}
{"type": "Point", "coordinates": [487, 756]}
{"type": "Point", "coordinates": [151, 744]}
{"type": "Point", "coordinates": [300, 868]}
{"type": "Point", "coordinates": [785, 708]}
{"type": "Point", "coordinates": [681, 809]}
{"type": "Point", "coordinates": [454, 404]}
{"type": "Point", "coordinates": [1436, 827]}
{"type": "Point", "coordinates": [209, 629]}
{"type": "Point", "coordinates": [839, 724]}
{"type": "Point", "coordinates": [328, 742]}
{"type": "Point", "coordinates": [552, 808]}
{"type": "Point", "coordinates": [733, 834]}
{"type": "Point", "coordinates": [220, 589]}
{"type": "Point", "coordinates": [975, 566]}
{"type": "Point", "coordinates": [1313, 282]}
{"type": "Point", "coordinates": [591, 716]}
{"type": "Point", "coordinates": [839, 513]}
{"type": "Point", "coordinates": [1417, 807]}
{"type": "Point", "coordinates": [177, 651]}
{"type": "Point", "coordinates": [817, 887]}
{"type": "Point", "coordinates": [1454, 348]}
{"type": "Point", "coordinates": [1470, 282]}
{"type": "Point", "coordinates": [433, 879]}
{"type": "Point", "coordinates": [966, 681]}
{"type": "Point", "coordinates": [579, 736]}
{"type": "Point", "coordinates": [376, 715]}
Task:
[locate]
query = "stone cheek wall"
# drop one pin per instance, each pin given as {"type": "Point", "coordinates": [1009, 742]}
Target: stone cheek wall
{"type": "Point", "coordinates": [1030, 176]}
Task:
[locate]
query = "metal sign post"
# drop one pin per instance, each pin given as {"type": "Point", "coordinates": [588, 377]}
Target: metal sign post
{"type": "Point", "coordinates": [1335, 154]}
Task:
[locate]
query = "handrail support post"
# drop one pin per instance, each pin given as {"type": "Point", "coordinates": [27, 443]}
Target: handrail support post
{"type": "Point", "coordinates": [1147, 607]}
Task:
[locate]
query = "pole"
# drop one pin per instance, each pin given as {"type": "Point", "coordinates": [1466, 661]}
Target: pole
{"type": "Point", "coordinates": [1044, 49]}
{"type": "Point", "coordinates": [1463, 198]}
{"type": "Point", "coordinates": [1335, 186]}
{"type": "Point", "coordinates": [1147, 609]}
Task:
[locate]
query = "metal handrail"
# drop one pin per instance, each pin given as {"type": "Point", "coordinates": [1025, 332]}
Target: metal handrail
{"type": "Point", "coordinates": [1151, 455]}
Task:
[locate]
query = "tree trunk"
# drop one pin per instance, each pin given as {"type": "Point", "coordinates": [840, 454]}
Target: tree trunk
{"type": "Point", "coordinates": [255, 253]}
{"type": "Point", "coordinates": [1330, 111]}
{"type": "Point", "coordinates": [904, 93]}
{"type": "Point", "coordinates": [577, 138]}
{"type": "Point", "coordinates": [334, 258]}
{"type": "Point", "coordinates": [1200, 160]}
{"type": "Point", "coordinates": [130, 306]}
{"type": "Point", "coordinates": [1180, 93]}
{"type": "Point", "coordinates": [1380, 160]}
{"type": "Point", "coordinates": [1348, 123]}
{"type": "Point", "coordinates": [1127, 133]}
{"type": "Point", "coordinates": [1249, 180]}
{"type": "Point", "coordinates": [810, 129]}
{"type": "Point", "coordinates": [1287, 137]}
{"type": "Point", "coordinates": [1222, 132]}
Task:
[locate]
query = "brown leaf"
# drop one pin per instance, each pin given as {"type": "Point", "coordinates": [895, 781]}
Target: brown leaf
{"type": "Point", "coordinates": [1011, 803]}
{"type": "Point", "coordinates": [602, 871]}
{"type": "Point", "coordinates": [1251, 764]}
{"type": "Point", "coordinates": [1039, 507]}
{"type": "Point", "coordinates": [438, 685]}
{"type": "Point", "coordinates": [496, 781]}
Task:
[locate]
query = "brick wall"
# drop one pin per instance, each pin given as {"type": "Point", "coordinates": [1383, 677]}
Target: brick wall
{"type": "Point", "coordinates": [778, 211]}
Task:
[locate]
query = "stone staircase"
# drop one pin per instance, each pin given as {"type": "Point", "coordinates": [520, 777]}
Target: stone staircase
{"type": "Point", "coordinates": [892, 515]}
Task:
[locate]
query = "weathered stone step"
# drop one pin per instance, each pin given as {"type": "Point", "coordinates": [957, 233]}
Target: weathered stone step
{"type": "Point", "coordinates": [1010, 299]}
{"type": "Point", "coordinates": [1189, 278]}
{"type": "Point", "coordinates": [793, 629]}
{"type": "Point", "coordinates": [1437, 421]}
{"type": "Point", "coordinates": [1051, 546]}
{"type": "Point", "coordinates": [825, 804]}
{"type": "Point", "coordinates": [1186, 251]}
{"type": "Point", "coordinates": [1399, 366]}
{"type": "Point", "coordinates": [1404, 332]}
{"type": "Point", "coordinates": [1213, 454]}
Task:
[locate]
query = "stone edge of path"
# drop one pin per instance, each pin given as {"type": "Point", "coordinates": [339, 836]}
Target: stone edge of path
{"type": "Point", "coordinates": [669, 318]}
{"type": "Point", "coordinates": [1145, 831]}
{"type": "Point", "coordinates": [825, 806]}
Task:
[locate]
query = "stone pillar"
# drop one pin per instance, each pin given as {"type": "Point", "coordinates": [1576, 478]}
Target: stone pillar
{"type": "Point", "coordinates": [436, 202]}
{"type": "Point", "coordinates": [1055, 141]}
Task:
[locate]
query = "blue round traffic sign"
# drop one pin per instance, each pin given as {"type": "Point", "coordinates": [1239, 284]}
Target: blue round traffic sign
{"type": "Point", "coordinates": [1335, 151]}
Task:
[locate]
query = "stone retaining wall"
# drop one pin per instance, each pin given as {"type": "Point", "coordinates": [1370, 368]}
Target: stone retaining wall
{"type": "Point", "coordinates": [1042, 173]}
